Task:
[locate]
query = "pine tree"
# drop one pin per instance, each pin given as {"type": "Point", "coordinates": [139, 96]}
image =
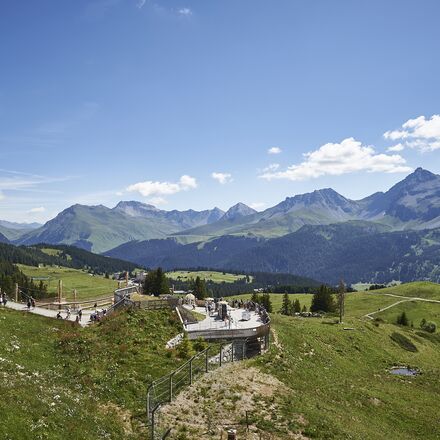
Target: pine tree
{"type": "Point", "coordinates": [199, 288]}
{"type": "Point", "coordinates": [304, 309]}
{"type": "Point", "coordinates": [255, 298]}
{"type": "Point", "coordinates": [296, 306]}
{"type": "Point", "coordinates": [286, 305]}
{"type": "Point", "coordinates": [341, 300]}
{"type": "Point", "coordinates": [402, 319]}
{"type": "Point", "coordinates": [322, 300]}
{"type": "Point", "coordinates": [156, 283]}
{"type": "Point", "coordinates": [185, 349]}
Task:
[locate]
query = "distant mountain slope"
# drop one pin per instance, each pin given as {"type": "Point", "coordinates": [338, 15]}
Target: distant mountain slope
{"type": "Point", "coordinates": [19, 226]}
{"type": "Point", "coordinates": [237, 211]}
{"type": "Point", "coordinates": [3, 239]}
{"type": "Point", "coordinates": [355, 251]}
{"type": "Point", "coordinates": [67, 256]}
{"type": "Point", "coordinates": [412, 203]}
{"type": "Point", "coordinates": [319, 207]}
{"type": "Point", "coordinates": [99, 228]}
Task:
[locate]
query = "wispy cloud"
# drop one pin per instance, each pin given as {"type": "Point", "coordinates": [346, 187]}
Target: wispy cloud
{"type": "Point", "coordinates": [185, 12]}
{"type": "Point", "coordinates": [257, 205]}
{"type": "Point", "coordinates": [37, 210]}
{"type": "Point", "coordinates": [17, 180]}
{"type": "Point", "coordinates": [141, 3]}
{"type": "Point", "coordinates": [335, 159]}
{"type": "Point", "coordinates": [222, 178]}
{"type": "Point", "coordinates": [158, 201]}
{"type": "Point", "coordinates": [274, 150]}
{"type": "Point", "coordinates": [155, 188]}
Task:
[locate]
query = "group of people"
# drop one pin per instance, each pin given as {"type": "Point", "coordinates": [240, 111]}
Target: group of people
{"type": "Point", "coordinates": [78, 318]}
{"type": "Point", "coordinates": [3, 299]}
{"type": "Point", "coordinates": [30, 302]}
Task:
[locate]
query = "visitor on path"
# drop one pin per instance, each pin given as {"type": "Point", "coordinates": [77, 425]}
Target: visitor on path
{"type": "Point", "coordinates": [29, 304]}
{"type": "Point", "coordinates": [68, 312]}
{"type": "Point", "coordinates": [32, 302]}
{"type": "Point", "coordinates": [4, 298]}
{"type": "Point", "coordinates": [59, 315]}
{"type": "Point", "coordinates": [77, 320]}
{"type": "Point", "coordinates": [80, 314]}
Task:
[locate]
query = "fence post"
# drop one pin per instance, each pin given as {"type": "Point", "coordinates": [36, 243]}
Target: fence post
{"type": "Point", "coordinates": [221, 354]}
{"type": "Point", "coordinates": [207, 361]}
{"type": "Point", "coordinates": [232, 351]}
{"type": "Point", "coordinates": [171, 386]}
{"type": "Point", "coordinates": [191, 371]}
{"type": "Point", "coordinates": [16, 292]}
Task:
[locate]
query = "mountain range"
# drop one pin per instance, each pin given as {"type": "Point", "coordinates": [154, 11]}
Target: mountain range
{"type": "Point", "coordinates": [271, 240]}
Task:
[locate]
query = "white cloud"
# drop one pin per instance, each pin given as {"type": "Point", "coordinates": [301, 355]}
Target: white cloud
{"type": "Point", "coordinates": [271, 167]}
{"type": "Point", "coordinates": [38, 210]}
{"type": "Point", "coordinates": [150, 188]}
{"type": "Point", "coordinates": [2, 196]}
{"type": "Point", "coordinates": [158, 201]}
{"type": "Point", "coordinates": [398, 147]}
{"type": "Point", "coordinates": [420, 133]}
{"type": "Point", "coordinates": [140, 4]}
{"type": "Point", "coordinates": [222, 177]}
{"type": "Point", "coordinates": [274, 150]}
{"type": "Point", "coordinates": [185, 12]}
{"type": "Point", "coordinates": [257, 205]}
{"type": "Point", "coordinates": [336, 159]}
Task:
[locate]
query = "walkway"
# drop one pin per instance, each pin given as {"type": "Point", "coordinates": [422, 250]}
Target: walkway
{"type": "Point", "coordinates": [405, 299]}
{"type": "Point", "coordinates": [214, 323]}
{"type": "Point", "coordinates": [49, 313]}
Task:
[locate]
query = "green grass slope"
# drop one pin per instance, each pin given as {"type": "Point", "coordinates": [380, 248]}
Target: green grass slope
{"type": "Point", "coordinates": [338, 385]}
{"type": "Point", "coordinates": [58, 381]}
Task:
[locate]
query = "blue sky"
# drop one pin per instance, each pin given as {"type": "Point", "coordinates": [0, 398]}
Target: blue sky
{"type": "Point", "coordinates": [195, 104]}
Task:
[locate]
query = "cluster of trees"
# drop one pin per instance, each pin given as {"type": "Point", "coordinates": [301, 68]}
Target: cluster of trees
{"type": "Point", "coordinates": [323, 300]}
{"type": "Point", "coordinates": [11, 275]}
{"type": "Point", "coordinates": [263, 299]}
{"type": "Point", "coordinates": [289, 307]}
{"type": "Point", "coordinates": [428, 326]}
{"type": "Point", "coordinates": [68, 256]}
{"type": "Point", "coordinates": [156, 283]}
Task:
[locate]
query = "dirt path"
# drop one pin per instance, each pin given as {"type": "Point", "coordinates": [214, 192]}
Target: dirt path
{"type": "Point", "coordinates": [235, 396]}
{"type": "Point", "coordinates": [405, 299]}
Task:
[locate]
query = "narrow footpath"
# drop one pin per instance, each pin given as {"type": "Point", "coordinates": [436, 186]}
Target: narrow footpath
{"type": "Point", "coordinates": [405, 299]}
{"type": "Point", "coordinates": [50, 313]}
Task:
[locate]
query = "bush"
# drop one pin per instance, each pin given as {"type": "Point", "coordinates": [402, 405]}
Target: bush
{"type": "Point", "coordinates": [403, 342]}
{"type": "Point", "coordinates": [402, 319]}
{"type": "Point", "coordinates": [428, 326]}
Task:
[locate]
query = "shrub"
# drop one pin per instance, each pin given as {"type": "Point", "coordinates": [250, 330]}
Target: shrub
{"type": "Point", "coordinates": [403, 342]}
{"type": "Point", "coordinates": [428, 326]}
{"type": "Point", "coordinates": [402, 319]}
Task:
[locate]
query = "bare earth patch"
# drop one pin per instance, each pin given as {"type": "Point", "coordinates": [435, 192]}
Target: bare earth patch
{"type": "Point", "coordinates": [235, 396]}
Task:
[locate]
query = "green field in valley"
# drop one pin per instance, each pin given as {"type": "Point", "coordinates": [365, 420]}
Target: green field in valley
{"type": "Point", "coordinates": [87, 285]}
{"type": "Point", "coordinates": [208, 275]}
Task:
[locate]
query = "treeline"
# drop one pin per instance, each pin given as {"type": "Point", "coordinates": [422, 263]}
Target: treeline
{"type": "Point", "coordinates": [11, 275]}
{"type": "Point", "coordinates": [267, 282]}
{"type": "Point", "coordinates": [69, 256]}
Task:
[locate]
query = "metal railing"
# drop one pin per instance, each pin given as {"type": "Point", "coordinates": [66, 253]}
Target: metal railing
{"type": "Point", "coordinates": [166, 388]}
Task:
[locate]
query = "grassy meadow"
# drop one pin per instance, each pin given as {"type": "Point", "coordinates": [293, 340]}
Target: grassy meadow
{"type": "Point", "coordinates": [208, 275]}
{"type": "Point", "coordinates": [87, 286]}
{"type": "Point", "coordinates": [59, 381]}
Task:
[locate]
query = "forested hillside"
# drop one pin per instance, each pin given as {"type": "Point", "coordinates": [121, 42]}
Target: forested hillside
{"type": "Point", "coordinates": [62, 255]}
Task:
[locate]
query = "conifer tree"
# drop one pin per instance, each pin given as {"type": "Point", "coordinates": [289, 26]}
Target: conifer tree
{"type": "Point", "coordinates": [286, 305]}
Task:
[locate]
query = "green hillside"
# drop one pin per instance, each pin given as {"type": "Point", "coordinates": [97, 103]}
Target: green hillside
{"type": "Point", "coordinates": [86, 284]}
{"type": "Point", "coordinates": [208, 275]}
{"type": "Point", "coordinates": [55, 385]}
